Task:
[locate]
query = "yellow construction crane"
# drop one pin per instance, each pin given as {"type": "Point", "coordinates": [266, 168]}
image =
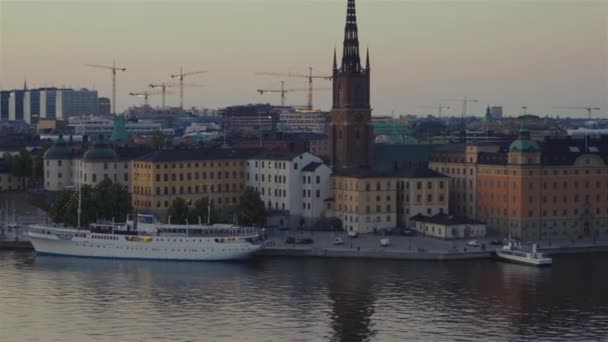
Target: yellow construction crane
{"type": "Point", "coordinates": [310, 77]}
{"type": "Point", "coordinates": [146, 94]}
{"type": "Point", "coordinates": [163, 88]}
{"type": "Point", "coordinates": [284, 91]}
{"type": "Point", "coordinates": [181, 76]}
{"type": "Point", "coordinates": [439, 108]}
{"type": "Point", "coordinates": [114, 69]}
{"type": "Point", "coordinates": [588, 109]}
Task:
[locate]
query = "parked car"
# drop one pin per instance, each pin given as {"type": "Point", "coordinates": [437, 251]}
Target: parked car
{"type": "Point", "coordinates": [496, 242]}
{"type": "Point", "coordinates": [473, 243]}
{"type": "Point", "coordinates": [290, 240]}
{"type": "Point", "coordinates": [305, 241]}
{"type": "Point", "coordinates": [408, 232]}
{"type": "Point", "coordinates": [338, 241]}
{"type": "Point", "coordinates": [385, 242]}
{"type": "Point", "coordinates": [353, 235]}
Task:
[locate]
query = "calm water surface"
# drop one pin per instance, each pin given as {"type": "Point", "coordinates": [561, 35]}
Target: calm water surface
{"type": "Point", "coordinates": [71, 299]}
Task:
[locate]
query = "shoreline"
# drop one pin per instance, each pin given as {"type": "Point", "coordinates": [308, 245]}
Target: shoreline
{"type": "Point", "coordinates": [371, 254]}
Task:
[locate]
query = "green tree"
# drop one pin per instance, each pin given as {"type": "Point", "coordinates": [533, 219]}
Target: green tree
{"type": "Point", "coordinates": [178, 211]}
{"type": "Point", "coordinates": [158, 140]}
{"type": "Point", "coordinates": [107, 200]}
{"type": "Point", "coordinates": [251, 209]}
{"type": "Point", "coordinates": [111, 201]}
{"type": "Point", "coordinates": [20, 165]}
{"type": "Point", "coordinates": [201, 209]}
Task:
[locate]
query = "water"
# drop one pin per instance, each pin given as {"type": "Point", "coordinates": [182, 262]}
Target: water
{"type": "Point", "coordinates": [71, 299]}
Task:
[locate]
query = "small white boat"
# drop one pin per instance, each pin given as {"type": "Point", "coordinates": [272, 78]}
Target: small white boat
{"type": "Point", "coordinates": [513, 252]}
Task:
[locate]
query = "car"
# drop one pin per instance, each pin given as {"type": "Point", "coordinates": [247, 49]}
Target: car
{"type": "Point", "coordinates": [305, 241]}
{"type": "Point", "coordinates": [473, 243]}
{"type": "Point", "coordinates": [353, 235]}
{"type": "Point", "coordinates": [338, 241]}
{"type": "Point", "coordinates": [408, 232]}
{"type": "Point", "coordinates": [385, 242]}
{"type": "Point", "coordinates": [290, 240]}
{"type": "Point", "coordinates": [496, 242]}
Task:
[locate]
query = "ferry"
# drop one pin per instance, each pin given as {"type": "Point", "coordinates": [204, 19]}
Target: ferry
{"type": "Point", "coordinates": [513, 252]}
{"type": "Point", "coordinates": [147, 239]}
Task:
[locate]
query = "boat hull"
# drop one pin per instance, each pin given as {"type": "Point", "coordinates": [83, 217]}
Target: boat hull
{"type": "Point", "coordinates": [524, 260]}
{"type": "Point", "coordinates": [159, 248]}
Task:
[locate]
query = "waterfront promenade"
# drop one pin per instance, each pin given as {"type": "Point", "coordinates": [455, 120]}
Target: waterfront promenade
{"type": "Point", "coordinates": [407, 247]}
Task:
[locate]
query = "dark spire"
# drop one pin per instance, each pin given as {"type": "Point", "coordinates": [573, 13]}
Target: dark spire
{"type": "Point", "coordinates": [367, 60]}
{"type": "Point", "coordinates": [350, 54]}
{"type": "Point", "coordinates": [24, 84]}
{"type": "Point", "coordinates": [335, 61]}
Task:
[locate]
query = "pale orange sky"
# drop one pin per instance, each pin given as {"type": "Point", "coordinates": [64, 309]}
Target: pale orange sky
{"type": "Point", "coordinates": [541, 54]}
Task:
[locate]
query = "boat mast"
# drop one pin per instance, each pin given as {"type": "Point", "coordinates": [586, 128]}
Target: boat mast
{"type": "Point", "coordinates": [79, 205]}
{"type": "Point", "coordinates": [209, 207]}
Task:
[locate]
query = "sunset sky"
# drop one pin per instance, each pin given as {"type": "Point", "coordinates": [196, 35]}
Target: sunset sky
{"type": "Point", "coordinates": [542, 54]}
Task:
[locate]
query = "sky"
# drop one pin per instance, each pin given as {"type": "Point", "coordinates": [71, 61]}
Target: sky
{"type": "Point", "coordinates": [542, 54]}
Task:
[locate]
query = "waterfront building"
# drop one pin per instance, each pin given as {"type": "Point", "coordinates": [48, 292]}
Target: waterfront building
{"type": "Point", "coordinates": [251, 119]}
{"type": "Point", "coordinates": [364, 200]}
{"type": "Point", "coordinates": [160, 177]}
{"type": "Point", "coordinates": [65, 167]}
{"type": "Point", "coordinates": [94, 126]}
{"type": "Point", "coordinates": [421, 191]}
{"type": "Point", "coordinates": [15, 105]}
{"type": "Point", "coordinates": [448, 227]}
{"type": "Point", "coordinates": [292, 185]}
{"type": "Point", "coordinates": [4, 99]}
{"type": "Point", "coordinates": [555, 188]}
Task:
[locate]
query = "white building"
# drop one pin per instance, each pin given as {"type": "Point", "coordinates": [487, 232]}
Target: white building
{"type": "Point", "coordinates": [94, 126]}
{"type": "Point", "coordinates": [62, 168]}
{"type": "Point", "coordinates": [292, 185]}
{"type": "Point", "coordinates": [448, 227]}
{"type": "Point", "coordinates": [304, 121]}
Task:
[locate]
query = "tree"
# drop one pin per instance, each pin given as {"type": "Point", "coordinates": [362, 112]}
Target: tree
{"type": "Point", "coordinates": [201, 209]}
{"type": "Point", "coordinates": [251, 209]}
{"type": "Point", "coordinates": [107, 201]}
{"type": "Point", "coordinates": [20, 165]}
{"type": "Point", "coordinates": [111, 201]}
{"type": "Point", "coordinates": [158, 140]}
{"type": "Point", "coordinates": [178, 211]}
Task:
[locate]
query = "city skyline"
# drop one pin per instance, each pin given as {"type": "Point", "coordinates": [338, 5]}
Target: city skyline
{"type": "Point", "coordinates": [422, 52]}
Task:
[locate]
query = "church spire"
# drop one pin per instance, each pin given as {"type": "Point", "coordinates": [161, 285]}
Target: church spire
{"type": "Point", "coordinates": [367, 60]}
{"type": "Point", "coordinates": [350, 54]}
{"type": "Point", "coordinates": [335, 61]}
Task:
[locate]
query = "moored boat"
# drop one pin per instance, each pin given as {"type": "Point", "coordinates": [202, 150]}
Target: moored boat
{"type": "Point", "coordinates": [513, 252]}
{"type": "Point", "coordinates": [145, 238]}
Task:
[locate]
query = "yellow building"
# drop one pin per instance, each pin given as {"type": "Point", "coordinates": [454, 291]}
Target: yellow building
{"type": "Point", "coordinates": [162, 176]}
{"type": "Point", "coordinates": [364, 201]}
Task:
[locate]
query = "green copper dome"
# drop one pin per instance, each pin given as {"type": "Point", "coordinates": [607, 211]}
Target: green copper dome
{"type": "Point", "coordinates": [524, 143]}
{"type": "Point", "coordinates": [100, 151]}
{"type": "Point", "coordinates": [59, 150]}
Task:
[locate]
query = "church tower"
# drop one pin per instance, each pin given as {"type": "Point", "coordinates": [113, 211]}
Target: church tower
{"type": "Point", "coordinates": [351, 135]}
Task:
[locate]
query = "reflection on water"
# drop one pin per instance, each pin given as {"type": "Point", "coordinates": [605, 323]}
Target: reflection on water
{"type": "Point", "coordinates": [71, 299]}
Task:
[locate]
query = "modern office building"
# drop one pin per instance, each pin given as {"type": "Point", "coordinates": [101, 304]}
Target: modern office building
{"type": "Point", "coordinates": [303, 121]}
{"type": "Point", "coordinates": [104, 106]}
{"type": "Point", "coordinates": [496, 112]}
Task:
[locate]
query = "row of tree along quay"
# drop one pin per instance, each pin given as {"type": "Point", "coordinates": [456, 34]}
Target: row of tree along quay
{"type": "Point", "coordinates": [250, 210]}
{"type": "Point", "coordinates": [108, 201]}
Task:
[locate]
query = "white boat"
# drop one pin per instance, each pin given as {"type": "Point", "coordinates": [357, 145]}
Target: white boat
{"type": "Point", "coordinates": [513, 252]}
{"type": "Point", "coordinates": [147, 239]}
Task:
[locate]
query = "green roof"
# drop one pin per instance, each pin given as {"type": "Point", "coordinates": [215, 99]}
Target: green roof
{"type": "Point", "coordinates": [119, 131]}
{"type": "Point", "coordinates": [100, 151]}
{"type": "Point", "coordinates": [59, 150]}
{"type": "Point", "coordinates": [523, 142]}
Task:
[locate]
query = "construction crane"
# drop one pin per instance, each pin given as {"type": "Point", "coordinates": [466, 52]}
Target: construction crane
{"type": "Point", "coordinates": [439, 108]}
{"type": "Point", "coordinates": [284, 91]}
{"type": "Point", "coordinates": [310, 77]}
{"type": "Point", "coordinates": [465, 101]}
{"type": "Point", "coordinates": [114, 69]}
{"type": "Point", "coordinates": [588, 109]}
{"type": "Point", "coordinates": [163, 88]}
{"type": "Point", "coordinates": [145, 95]}
{"type": "Point", "coordinates": [181, 76]}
